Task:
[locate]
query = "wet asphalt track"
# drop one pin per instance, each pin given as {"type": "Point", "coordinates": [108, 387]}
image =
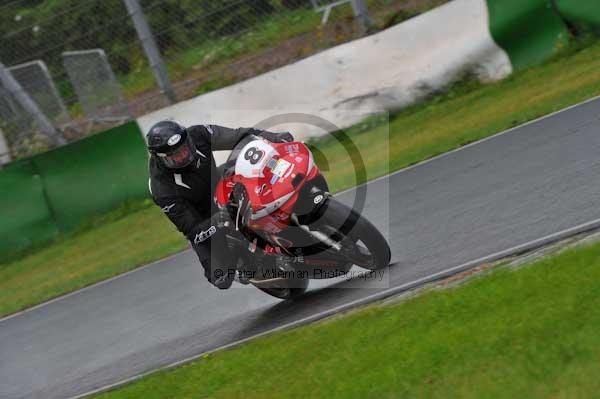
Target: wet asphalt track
{"type": "Point", "coordinates": [533, 181]}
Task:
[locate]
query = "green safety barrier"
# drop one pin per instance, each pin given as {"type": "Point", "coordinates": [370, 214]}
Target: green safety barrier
{"type": "Point", "coordinates": [94, 175]}
{"type": "Point", "coordinates": [529, 31]}
{"type": "Point", "coordinates": [25, 217]}
{"type": "Point", "coordinates": [583, 15]}
{"type": "Point", "coordinates": [53, 192]}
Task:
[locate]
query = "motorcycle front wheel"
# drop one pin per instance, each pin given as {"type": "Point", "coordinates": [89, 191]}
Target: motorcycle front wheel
{"type": "Point", "coordinates": [361, 242]}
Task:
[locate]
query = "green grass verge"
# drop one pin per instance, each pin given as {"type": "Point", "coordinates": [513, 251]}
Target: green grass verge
{"type": "Point", "coordinates": [464, 114]}
{"type": "Point", "coordinates": [532, 332]}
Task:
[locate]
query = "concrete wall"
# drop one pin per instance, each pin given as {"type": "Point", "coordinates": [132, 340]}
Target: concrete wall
{"type": "Point", "coordinates": [388, 70]}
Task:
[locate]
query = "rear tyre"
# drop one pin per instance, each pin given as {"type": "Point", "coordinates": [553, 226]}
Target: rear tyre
{"type": "Point", "coordinates": [362, 243]}
{"type": "Point", "coordinates": [298, 289]}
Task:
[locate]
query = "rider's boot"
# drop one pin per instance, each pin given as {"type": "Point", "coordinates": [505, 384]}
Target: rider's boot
{"type": "Point", "coordinates": [243, 276]}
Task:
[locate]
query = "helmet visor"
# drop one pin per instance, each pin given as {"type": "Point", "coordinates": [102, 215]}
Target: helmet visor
{"type": "Point", "coordinates": [180, 157]}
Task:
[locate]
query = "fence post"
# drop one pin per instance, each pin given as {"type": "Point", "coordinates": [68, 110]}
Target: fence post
{"type": "Point", "coordinates": [362, 13]}
{"type": "Point", "coordinates": [150, 48]}
{"type": "Point", "coordinates": [15, 89]}
{"type": "Point", "coordinates": [4, 151]}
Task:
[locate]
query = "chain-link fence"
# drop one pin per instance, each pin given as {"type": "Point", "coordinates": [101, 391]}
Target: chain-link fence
{"type": "Point", "coordinates": [96, 69]}
{"type": "Point", "coordinates": [12, 119]}
{"type": "Point", "coordinates": [97, 89]}
{"type": "Point", "coordinates": [20, 135]}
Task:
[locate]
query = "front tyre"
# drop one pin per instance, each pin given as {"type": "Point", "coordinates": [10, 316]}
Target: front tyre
{"type": "Point", "coordinates": [362, 243]}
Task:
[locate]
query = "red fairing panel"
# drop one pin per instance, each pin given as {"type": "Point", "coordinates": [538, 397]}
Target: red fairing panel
{"type": "Point", "coordinates": [268, 181]}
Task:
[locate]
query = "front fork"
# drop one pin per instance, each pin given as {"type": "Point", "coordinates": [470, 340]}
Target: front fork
{"type": "Point", "coordinates": [317, 235]}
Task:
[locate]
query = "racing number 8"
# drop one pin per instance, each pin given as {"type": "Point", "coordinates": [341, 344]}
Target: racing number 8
{"type": "Point", "coordinates": [253, 155]}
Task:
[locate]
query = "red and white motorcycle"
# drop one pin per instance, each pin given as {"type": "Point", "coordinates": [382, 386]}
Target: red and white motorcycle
{"type": "Point", "coordinates": [279, 206]}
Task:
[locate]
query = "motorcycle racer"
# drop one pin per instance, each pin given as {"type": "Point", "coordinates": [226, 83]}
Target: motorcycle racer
{"type": "Point", "coordinates": [183, 176]}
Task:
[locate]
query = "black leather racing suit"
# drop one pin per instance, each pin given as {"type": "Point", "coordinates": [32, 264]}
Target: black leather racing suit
{"type": "Point", "coordinates": [186, 197]}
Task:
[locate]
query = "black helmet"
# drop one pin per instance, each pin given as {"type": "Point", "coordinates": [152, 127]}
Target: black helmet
{"type": "Point", "coordinates": [171, 143]}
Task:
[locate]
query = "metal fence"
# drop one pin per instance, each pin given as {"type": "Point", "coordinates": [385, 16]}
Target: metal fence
{"type": "Point", "coordinates": [35, 79]}
{"type": "Point", "coordinates": [11, 120]}
{"type": "Point", "coordinates": [96, 87]}
{"type": "Point", "coordinates": [91, 57]}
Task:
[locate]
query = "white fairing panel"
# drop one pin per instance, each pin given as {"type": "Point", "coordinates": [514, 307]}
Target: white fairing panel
{"type": "Point", "coordinates": [253, 158]}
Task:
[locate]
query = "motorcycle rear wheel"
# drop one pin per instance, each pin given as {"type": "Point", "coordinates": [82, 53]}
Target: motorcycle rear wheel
{"type": "Point", "coordinates": [298, 289]}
